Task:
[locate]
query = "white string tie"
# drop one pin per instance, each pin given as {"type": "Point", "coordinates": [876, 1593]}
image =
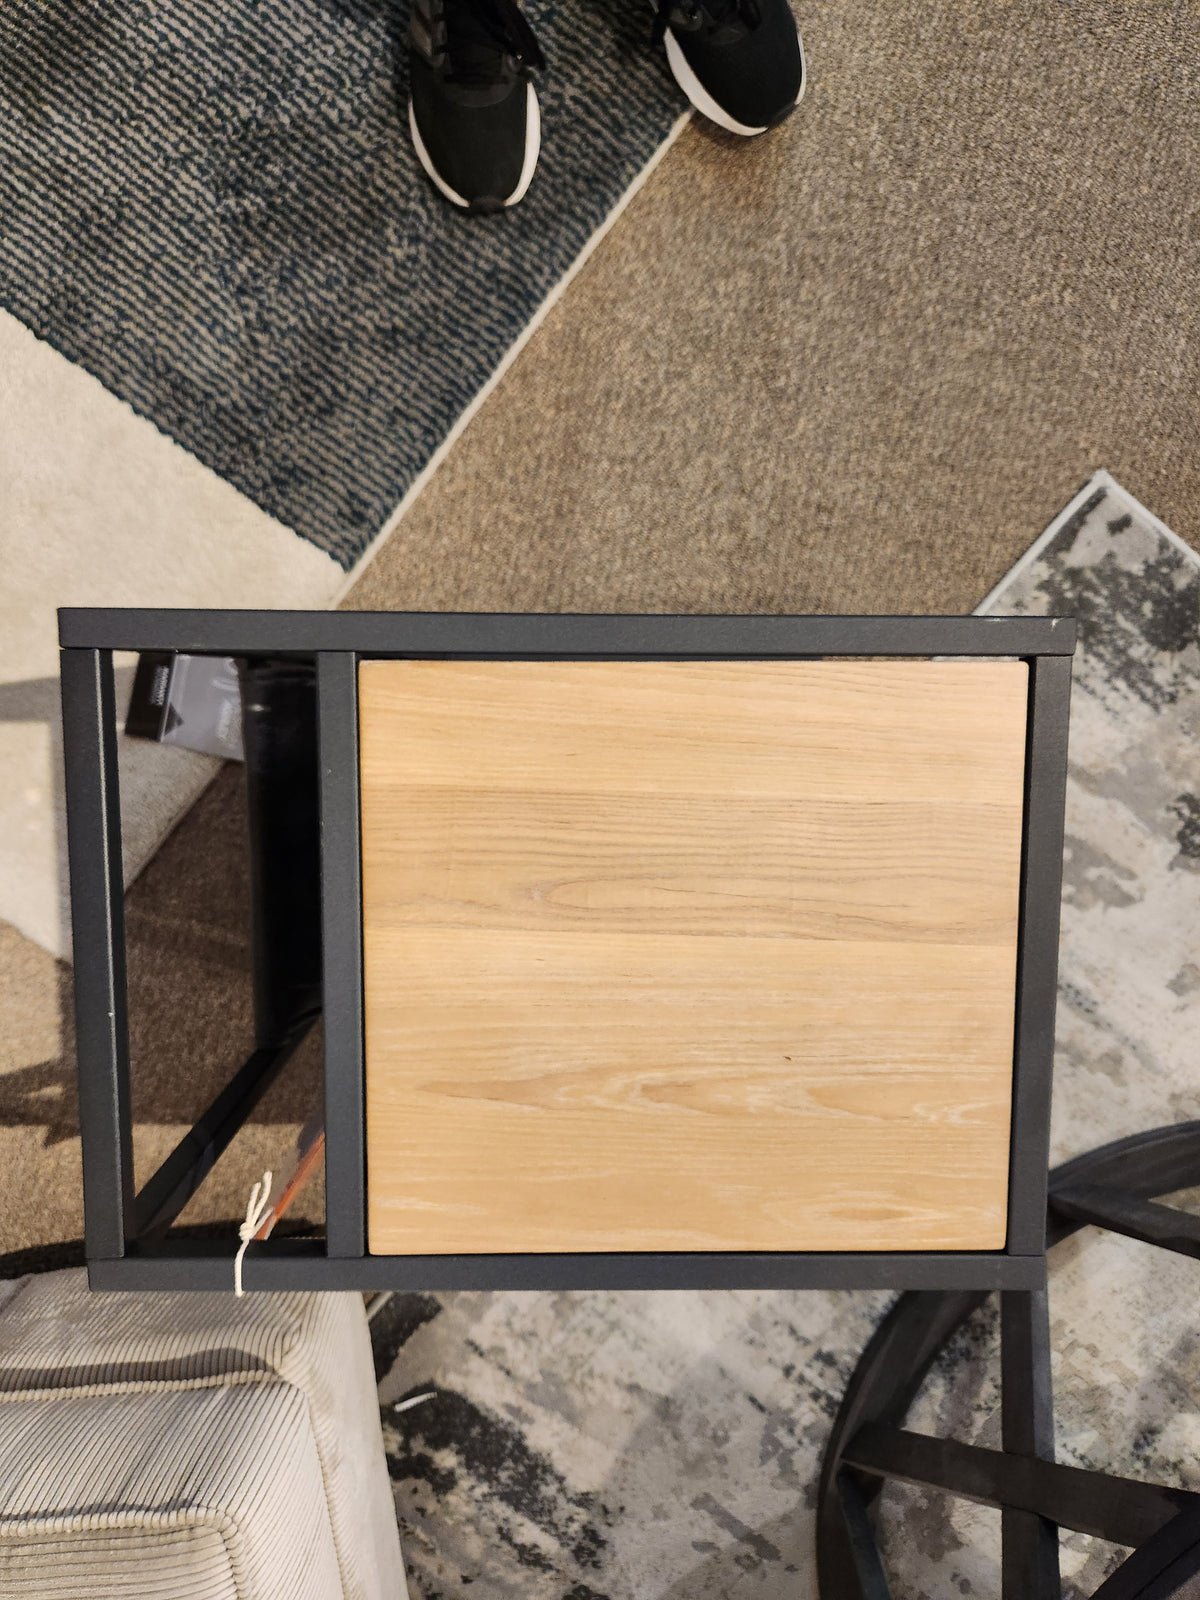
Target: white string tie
{"type": "Point", "coordinates": [416, 1400]}
{"type": "Point", "coordinates": [256, 1210]}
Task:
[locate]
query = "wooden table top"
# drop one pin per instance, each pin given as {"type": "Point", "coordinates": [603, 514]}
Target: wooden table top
{"type": "Point", "coordinates": [689, 955]}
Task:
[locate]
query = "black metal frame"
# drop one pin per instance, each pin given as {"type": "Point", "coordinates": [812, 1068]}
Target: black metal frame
{"type": "Point", "coordinates": [124, 1242]}
{"type": "Point", "coordinates": [1112, 1188]}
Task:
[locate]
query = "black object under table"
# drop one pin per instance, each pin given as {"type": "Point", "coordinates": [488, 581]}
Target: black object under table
{"type": "Point", "coordinates": [1113, 1187]}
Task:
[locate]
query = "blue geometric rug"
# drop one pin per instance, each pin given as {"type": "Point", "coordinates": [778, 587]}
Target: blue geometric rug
{"type": "Point", "coordinates": [216, 210]}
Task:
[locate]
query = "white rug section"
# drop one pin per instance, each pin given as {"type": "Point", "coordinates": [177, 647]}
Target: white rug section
{"type": "Point", "coordinates": [98, 508]}
{"type": "Point", "coordinates": [1129, 954]}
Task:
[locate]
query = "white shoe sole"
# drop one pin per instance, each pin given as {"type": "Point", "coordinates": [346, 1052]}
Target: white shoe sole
{"type": "Point", "coordinates": [704, 102]}
{"type": "Point", "coordinates": [533, 146]}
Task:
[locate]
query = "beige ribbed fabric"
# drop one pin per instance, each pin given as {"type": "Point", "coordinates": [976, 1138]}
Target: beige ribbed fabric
{"type": "Point", "coordinates": [238, 1460]}
{"type": "Point", "coordinates": [122, 1564]}
{"type": "Point", "coordinates": [60, 1343]}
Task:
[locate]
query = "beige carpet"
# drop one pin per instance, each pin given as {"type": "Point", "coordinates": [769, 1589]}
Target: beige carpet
{"type": "Point", "coordinates": [855, 365]}
{"type": "Point", "coordinates": [858, 363]}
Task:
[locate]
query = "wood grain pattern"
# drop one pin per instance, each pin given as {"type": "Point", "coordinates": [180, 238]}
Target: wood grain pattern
{"type": "Point", "coordinates": [689, 955]}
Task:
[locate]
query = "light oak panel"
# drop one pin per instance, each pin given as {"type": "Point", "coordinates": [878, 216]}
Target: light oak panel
{"type": "Point", "coordinates": [689, 955]}
{"type": "Point", "coordinates": [866, 730]}
{"type": "Point", "coordinates": [822, 870]}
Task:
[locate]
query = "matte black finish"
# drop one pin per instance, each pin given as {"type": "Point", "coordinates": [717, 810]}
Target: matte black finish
{"type": "Point", "coordinates": [1122, 1213]}
{"type": "Point", "coordinates": [304, 812]}
{"type": "Point", "coordinates": [882, 1387]}
{"type": "Point", "coordinates": [278, 1264]}
{"type": "Point", "coordinates": [1121, 1510]}
{"type": "Point", "coordinates": [98, 934]}
{"type": "Point", "coordinates": [1037, 950]}
{"type": "Point", "coordinates": [341, 911]}
{"type": "Point", "coordinates": [1029, 1540]}
{"type": "Point", "coordinates": [471, 633]}
{"type": "Point", "coordinates": [193, 1158]}
{"type": "Point", "coordinates": [1159, 1568]}
{"type": "Point", "coordinates": [862, 1576]}
{"type": "Point", "coordinates": [279, 727]}
{"type": "Point", "coordinates": [1145, 1164]}
{"type": "Point", "coordinates": [1111, 1187]}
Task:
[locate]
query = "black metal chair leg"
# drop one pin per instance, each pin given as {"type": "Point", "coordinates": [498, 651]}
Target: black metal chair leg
{"type": "Point", "coordinates": [1029, 1542]}
{"type": "Point", "coordinates": [881, 1389]}
{"type": "Point", "coordinates": [1160, 1568]}
{"type": "Point", "coordinates": [1146, 1164]}
{"type": "Point", "coordinates": [1120, 1510]}
{"type": "Point", "coordinates": [1113, 1187]}
{"type": "Point", "coordinates": [849, 1562]}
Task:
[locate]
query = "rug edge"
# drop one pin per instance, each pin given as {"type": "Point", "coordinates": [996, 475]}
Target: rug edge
{"type": "Point", "coordinates": [1100, 479]}
{"type": "Point", "coordinates": [415, 489]}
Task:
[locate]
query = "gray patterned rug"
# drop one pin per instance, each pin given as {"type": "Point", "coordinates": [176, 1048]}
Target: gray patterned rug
{"type": "Point", "coordinates": [666, 1447]}
{"type": "Point", "coordinates": [216, 210]}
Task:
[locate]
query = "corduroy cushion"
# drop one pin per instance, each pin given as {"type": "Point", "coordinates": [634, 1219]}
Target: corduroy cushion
{"type": "Point", "coordinates": [239, 1462]}
{"type": "Point", "coordinates": [60, 1343]}
{"type": "Point", "coordinates": [120, 1564]}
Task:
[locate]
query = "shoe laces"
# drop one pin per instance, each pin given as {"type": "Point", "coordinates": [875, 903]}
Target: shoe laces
{"type": "Point", "coordinates": [478, 31]}
{"type": "Point", "coordinates": [743, 15]}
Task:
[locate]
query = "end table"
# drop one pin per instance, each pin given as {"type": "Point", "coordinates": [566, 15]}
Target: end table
{"type": "Point", "coordinates": [651, 951]}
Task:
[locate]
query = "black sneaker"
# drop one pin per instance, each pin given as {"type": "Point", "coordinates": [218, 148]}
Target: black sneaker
{"type": "Point", "coordinates": [740, 62]}
{"type": "Point", "coordinates": [473, 114]}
